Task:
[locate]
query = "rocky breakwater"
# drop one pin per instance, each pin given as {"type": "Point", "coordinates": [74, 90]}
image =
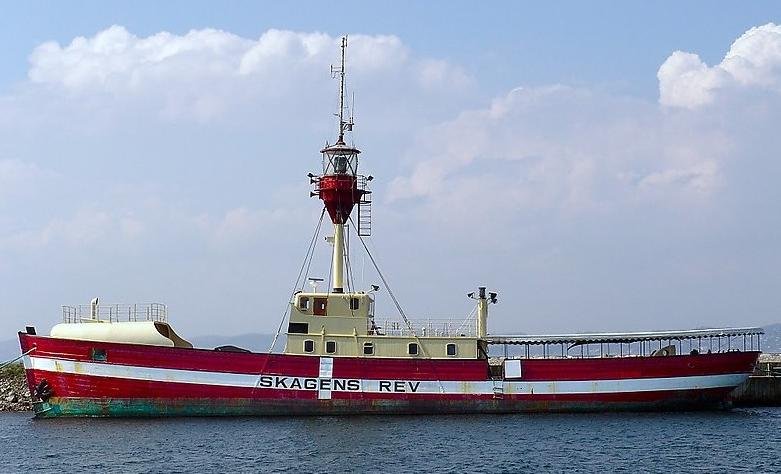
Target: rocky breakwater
{"type": "Point", "coordinates": [14, 394]}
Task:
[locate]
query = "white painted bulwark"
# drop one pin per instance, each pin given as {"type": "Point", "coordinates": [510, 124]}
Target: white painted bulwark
{"type": "Point", "coordinates": [512, 369]}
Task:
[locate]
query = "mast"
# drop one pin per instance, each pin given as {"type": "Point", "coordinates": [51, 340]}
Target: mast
{"type": "Point", "coordinates": [340, 187]}
{"type": "Point", "coordinates": [483, 300]}
{"type": "Point", "coordinates": [337, 264]}
{"type": "Point", "coordinates": [341, 92]}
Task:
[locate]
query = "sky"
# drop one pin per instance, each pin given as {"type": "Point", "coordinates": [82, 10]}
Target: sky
{"type": "Point", "coordinates": [603, 166]}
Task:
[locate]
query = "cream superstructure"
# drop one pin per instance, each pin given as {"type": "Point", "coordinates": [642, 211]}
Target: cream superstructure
{"type": "Point", "coordinates": [342, 324]}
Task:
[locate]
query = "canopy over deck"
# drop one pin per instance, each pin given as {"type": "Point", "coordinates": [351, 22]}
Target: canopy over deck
{"type": "Point", "coordinates": [626, 337]}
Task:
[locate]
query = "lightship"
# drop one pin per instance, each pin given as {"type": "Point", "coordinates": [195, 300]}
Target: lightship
{"type": "Point", "coordinates": [126, 360]}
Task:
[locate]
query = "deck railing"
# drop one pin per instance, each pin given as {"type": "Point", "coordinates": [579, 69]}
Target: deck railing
{"type": "Point", "coordinates": [424, 327]}
{"type": "Point", "coordinates": [114, 312]}
{"type": "Point", "coordinates": [698, 341]}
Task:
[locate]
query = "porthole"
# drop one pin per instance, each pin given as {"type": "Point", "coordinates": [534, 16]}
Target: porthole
{"type": "Point", "coordinates": [412, 349]}
{"type": "Point", "coordinates": [452, 350]}
{"type": "Point", "coordinates": [309, 346]}
{"type": "Point", "coordinates": [368, 348]}
{"type": "Point", "coordinates": [330, 347]}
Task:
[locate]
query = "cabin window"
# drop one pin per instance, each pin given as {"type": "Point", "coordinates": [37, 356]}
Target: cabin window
{"type": "Point", "coordinates": [303, 303]}
{"type": "Point", "coordinates": [412, 349]}
{"type": "Point", "coordinates": [309, 346]}
{"type": "Point", "coordinates": [368, 348]}
{"type": "Point", "coordinates": [298, 328]}
{"type": "Point", "coordinates": [330, 347]}
{"type": "Point", "coordinates": [320, 306]}
{"type": "Point", "coordinates": [355, 303]}
{"type": "Point", "coordinates": [98, 354]}
{"type": "Point", "coordinates": [451, 350]}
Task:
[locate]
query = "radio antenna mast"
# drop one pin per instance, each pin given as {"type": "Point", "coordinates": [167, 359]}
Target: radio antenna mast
{"type": "Point", "coordinates": [340, 72]}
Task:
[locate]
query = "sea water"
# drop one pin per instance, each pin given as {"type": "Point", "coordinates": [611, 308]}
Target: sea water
{"type": "Point", "coordinates": [746, 440]}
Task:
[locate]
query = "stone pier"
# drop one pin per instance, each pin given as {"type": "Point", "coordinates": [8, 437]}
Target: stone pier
{"type": "Point", "coordinates": [764, 387]}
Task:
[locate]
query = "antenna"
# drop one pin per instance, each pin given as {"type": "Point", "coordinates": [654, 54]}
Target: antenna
{"type": "Point", "coordinates": [340, 72]}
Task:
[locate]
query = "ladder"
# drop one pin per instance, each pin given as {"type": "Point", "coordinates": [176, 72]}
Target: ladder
{"type": "Point", "coordinates": [365, 214]}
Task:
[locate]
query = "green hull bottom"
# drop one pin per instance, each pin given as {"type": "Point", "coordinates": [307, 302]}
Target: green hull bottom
{"type": "Point", "coordinates": [146, 407]}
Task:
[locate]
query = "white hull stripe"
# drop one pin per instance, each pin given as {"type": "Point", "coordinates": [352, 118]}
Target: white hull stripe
{"type": "Point", "coordinates": [328, 384]}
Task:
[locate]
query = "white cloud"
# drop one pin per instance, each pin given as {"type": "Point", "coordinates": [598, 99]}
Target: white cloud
{"type": "Point", "coordinates": [114, 59]}
{"type": "Point", "coordinates": [702, 177]}
{"type": "Point", "coordinates": [120, 229]}
{"type": "Point", "coordinates": [86, 228]}
{"type": "Point", "coordinates": [243, 225]}
{"type": "Point", "coordinates": [563, 150]}
{"type": "Point", "coordinates": [21, 178]}
{"type": "Point", "coordinates": [433, 74]}
{"type": "Point", "coordinates": [205, 73]}
{"type": "Point", "coordinates": [754, 60]}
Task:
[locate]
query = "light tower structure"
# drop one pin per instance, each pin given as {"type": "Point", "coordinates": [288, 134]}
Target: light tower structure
{"type": "Point", "coordinates": [340, 320]}
{"type": "Point", "coordinates": [340, 186]}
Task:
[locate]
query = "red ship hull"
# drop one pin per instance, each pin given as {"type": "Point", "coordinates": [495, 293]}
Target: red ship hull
{"type": "Point", "coordinates": [84, 378]}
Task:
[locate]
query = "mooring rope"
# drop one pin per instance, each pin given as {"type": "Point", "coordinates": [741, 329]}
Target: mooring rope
{"type": "Point", "coordinates": [7, 363]}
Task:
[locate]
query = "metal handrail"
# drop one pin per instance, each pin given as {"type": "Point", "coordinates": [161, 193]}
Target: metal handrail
{"type": "Point", "coordinates": [425, 327]}
{"type": "Point", "coordinates": [596, 338]}
{"type": "Point", "coordinates": [115, 312]}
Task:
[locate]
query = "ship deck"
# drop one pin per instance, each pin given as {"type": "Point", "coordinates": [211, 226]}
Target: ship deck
{"type": "Point", "coordinates": [626, 337]}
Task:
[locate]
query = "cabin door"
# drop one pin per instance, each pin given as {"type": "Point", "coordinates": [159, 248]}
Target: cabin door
{"type": "Point", "coordinates": [320, 306]}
